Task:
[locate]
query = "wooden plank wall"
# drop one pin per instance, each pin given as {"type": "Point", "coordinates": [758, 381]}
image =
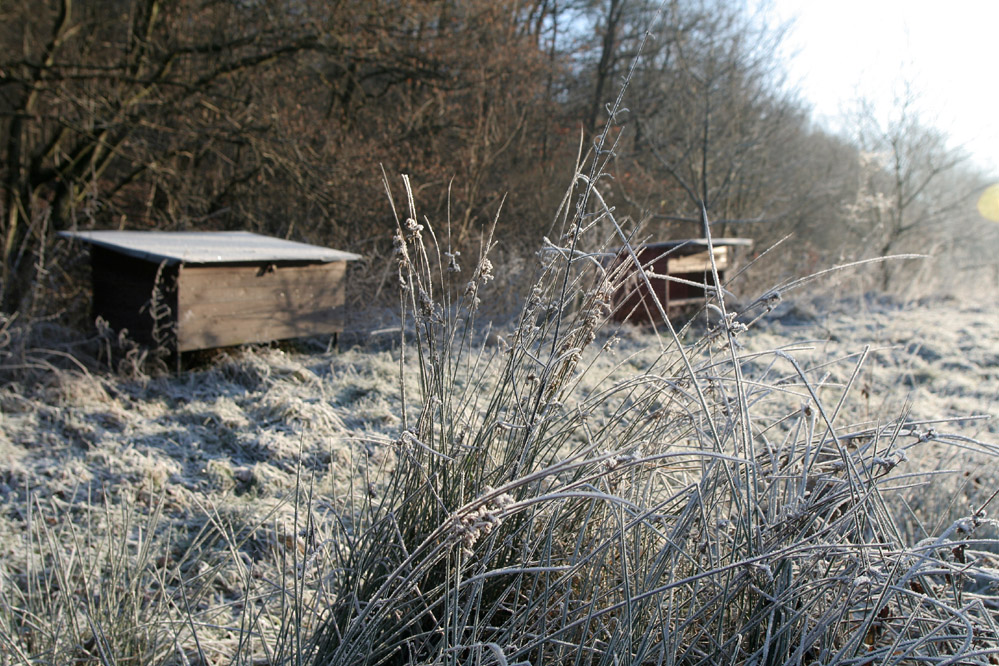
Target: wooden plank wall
{"type": "Point", "coordinates": [698, 262]}
{"type": "Point", "coordinates": [228, 305]}
{"type": "Point", "coordinates": [693, 268]}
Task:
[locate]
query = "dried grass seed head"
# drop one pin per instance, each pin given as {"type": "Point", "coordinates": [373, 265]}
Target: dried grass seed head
{"type": "Point", "coordinates": [485, 270]}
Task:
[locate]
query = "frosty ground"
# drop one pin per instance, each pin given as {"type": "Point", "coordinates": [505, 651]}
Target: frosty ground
{"type": "Point", "coordinates": [243, 431]}
{"type": "Point", "coordinates": [220, 453]}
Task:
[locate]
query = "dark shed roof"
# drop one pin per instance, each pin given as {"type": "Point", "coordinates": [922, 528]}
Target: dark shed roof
{"type": "Point", "coordinates": [207, 247]}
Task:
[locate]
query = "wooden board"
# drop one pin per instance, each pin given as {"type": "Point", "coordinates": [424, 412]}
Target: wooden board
{"type": "Point", "coordinates": [219, 306]}
{"type": "Point", "coordinates": [698, 262]}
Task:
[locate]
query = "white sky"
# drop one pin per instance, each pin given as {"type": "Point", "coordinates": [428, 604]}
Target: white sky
{"type": "Point", "coordinates": [949, 50]}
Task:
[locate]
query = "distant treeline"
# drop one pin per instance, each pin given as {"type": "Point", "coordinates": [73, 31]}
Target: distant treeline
{"type": "Point", "coordinates": [280, 116]}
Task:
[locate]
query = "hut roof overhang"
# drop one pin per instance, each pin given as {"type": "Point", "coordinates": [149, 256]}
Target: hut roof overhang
{"type": "Point", "coordinates": [208, 247]}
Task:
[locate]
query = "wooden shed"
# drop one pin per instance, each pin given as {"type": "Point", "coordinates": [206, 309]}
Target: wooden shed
{"type": "Point", "coordinates": [198, 290]}
{"type": "Point", "coordinates": [679, 273]}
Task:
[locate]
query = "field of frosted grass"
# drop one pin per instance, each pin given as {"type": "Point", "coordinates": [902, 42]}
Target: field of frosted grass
{"type": "Point", "coordinates": [224, 479]}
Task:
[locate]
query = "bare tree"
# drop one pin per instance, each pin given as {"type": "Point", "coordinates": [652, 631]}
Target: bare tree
{"type": "Point", "coordinates": [723, 117]}
{"type": "Point", "coordinates": [900, 201]}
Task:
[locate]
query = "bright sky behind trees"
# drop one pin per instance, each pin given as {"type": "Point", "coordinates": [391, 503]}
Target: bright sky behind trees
{"type": "Point", "coordinates": [948, 51]}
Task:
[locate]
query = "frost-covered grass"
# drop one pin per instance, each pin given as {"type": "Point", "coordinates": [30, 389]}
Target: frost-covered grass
{"type": "Point", "coordinates": [798, 483]}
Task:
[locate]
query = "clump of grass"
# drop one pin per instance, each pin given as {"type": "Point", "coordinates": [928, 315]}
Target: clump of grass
{"type": "Point", "coordinates": [118, 581]}
{"type": "Point", "coordinates": [77, 593]}
{"type": "Point", "coordinates": [713, 507]}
